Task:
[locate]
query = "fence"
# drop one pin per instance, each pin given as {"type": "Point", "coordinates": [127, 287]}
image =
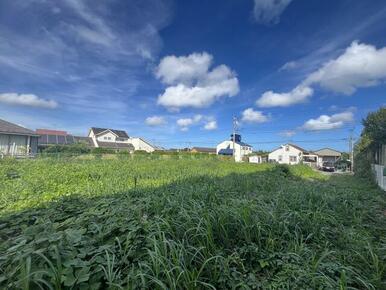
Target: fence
{"type": "Point", "coordinates": [380, 175]}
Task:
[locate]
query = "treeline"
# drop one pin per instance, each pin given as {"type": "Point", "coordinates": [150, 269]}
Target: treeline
{"type": "Point", "coordinates": [373, 136]}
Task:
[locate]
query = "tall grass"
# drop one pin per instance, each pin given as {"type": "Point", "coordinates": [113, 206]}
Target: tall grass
{"type": "Point", "coordinates": [187, 224]}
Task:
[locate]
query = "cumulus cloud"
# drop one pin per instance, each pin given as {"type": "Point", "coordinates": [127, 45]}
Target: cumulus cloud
{"type": "Point", "coordinates": [29, 100]}
{"type": "Point", "coordinates": [325, 122]}
{"type": "Point", "coordinates": [300, 94]}
{"type": "Point", "coordinates": [361, 65]}
{"type": "Point", "coordinates": [251, 116]}
{"type": "Point", "coordinates": [269, 11]}
{"type": "Point", "coordinates": [192, 83]}
{"type": "Point", "coordinates": [155, 121]}
{"type": "Point", "coordinates": [185, 123]}
{"type": "Point", "coordinates": [211, 125]}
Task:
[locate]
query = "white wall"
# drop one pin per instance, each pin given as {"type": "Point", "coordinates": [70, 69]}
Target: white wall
{"type": "Point", "coordinates": [286, 152]}
{"type": "Point", "coordinates": [14, 145]}
{"type": "Point", "coordinates": [240, 151]}
{"type": "Point", "coordinates": [140, 144]}
{"type": "Point", "coordinates": [255, 159]}
{"type": "Point", "coordinates": [380, 178]}
{"type": "Point", "coordinates": [107, 137]}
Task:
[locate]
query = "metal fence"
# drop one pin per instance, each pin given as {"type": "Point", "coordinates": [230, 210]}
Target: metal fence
{"type": "Point", "coordinates": [379, 168]}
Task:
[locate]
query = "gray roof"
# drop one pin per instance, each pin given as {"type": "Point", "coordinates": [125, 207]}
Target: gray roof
{"type": "Point", "coordinates": [10, 128]}
{"type": "Point", "coordinates": [115, 145]}
{"type": "Point", "coordinates": [243, 144]}
{"type": "Point", "coordinates": [204, 149]}
{"type": "Point", "coordinates": [328, 152]}
{"type": "Point", "coordinates": [119, 133]}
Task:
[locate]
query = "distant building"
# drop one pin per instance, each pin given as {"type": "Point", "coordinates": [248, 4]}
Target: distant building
{"type": "Point", "coordinates": [293, 154]}
{"type": "Point", "coordinates": [327, 155]}
{"type": "Point", "coordinates": [203, 150]}
{"type": "Point", "coordinates": [48, 137]}
{"type": "Point", "coordinates": [258, 159]}
{"type": "Point", "coordinates": [118, 140]}
{"type": "Point", "coordinates": [16, 140]}
{"type": "Point", "coordinates": [241, 149]}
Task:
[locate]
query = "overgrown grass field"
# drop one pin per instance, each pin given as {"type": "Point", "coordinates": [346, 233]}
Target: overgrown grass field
{"type": "Point", "coordinates": [187, 224]}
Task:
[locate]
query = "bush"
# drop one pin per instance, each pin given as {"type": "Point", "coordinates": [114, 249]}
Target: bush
{"type": "Point", "coordinates": [100, 150]}
{"type": "Point", "coordinates": [78, 148]}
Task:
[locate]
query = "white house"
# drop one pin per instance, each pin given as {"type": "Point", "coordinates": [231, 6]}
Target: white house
{"type": "Point", "coordinates": [255, 159]}
{"type": "Point", "coordinates": [16, 140]}
{"type": "Point", "coordinates": [118, 140]}
{"type": "Point", "coordinates": [292, 154]}
{"type": "Point", "coordinates": [327, 155]}
{"type": "Point", "coordinates": [241, 149]}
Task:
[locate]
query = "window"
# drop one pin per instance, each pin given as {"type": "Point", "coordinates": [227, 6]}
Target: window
{"type": "Point", "coordinates": [105, 138]}
{"type": "Point", "coordinates": [286, 148]}
{"type": "Point", "coordinates": [280, 158]}
{"type": "Point", "coordinates": [108, 138]}
{"type": "Point", "coordinates": [293, 159]}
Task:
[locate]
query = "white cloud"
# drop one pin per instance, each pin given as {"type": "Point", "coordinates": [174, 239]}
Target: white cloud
{"type": "Point", "coordinates": [269, 11]}
{"type": "Point", "coordinates": [29, 100]}
{"type": "Point", "coordinates": [155, 121]}
{"type": "Point", "coordinates": [288, 133]}
{"type": "Point", "coordinates": [300, 94]}
{"type": "Point", "coordinates": [192, 83]}
{"type": "Point", "coordinates": [211, 125]}
{"type": "Point", "coordinates": [251, 116]}
{"type": "Point", "coordinates": [361, 65]}
{"type": "Point", "coordinates": [185, 123]}
{"type": "Point", "coordinates": [289, 66]}
{"type": "Point", "coordinates": [183, 69]}
{"type": "Point", "coordinates": [325, 122]}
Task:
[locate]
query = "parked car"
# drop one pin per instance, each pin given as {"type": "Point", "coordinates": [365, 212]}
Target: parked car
{"type": "Point", "coordinates": [328, 166]}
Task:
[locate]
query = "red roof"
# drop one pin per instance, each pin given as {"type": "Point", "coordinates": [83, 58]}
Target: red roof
{"type": "Point", "coordinates": [51, 132]}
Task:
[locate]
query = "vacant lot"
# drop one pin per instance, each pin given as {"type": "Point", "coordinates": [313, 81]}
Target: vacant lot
{"type": "Point", "coordinates": [187, 224]}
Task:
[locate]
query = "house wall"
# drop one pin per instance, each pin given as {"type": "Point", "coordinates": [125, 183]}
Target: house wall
{"type": "Point", "coordinates": [255, 159]}
{"type": "Point", "coordinates": [17, 145]}
{"type": "Point", "coordinates": [140, 144]}
{"type": "Point", "coordinates": [286, 155]}
{"type": "Point", "coordinates": [240, 151]}
{"type": "Point", "coordinates": [106, 137]}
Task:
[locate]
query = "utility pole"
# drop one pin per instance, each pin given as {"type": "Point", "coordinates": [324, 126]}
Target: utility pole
{"type": "Point", "coordinates": [234, 136]}
{"type": "Point", "coordinates": [352, 149]}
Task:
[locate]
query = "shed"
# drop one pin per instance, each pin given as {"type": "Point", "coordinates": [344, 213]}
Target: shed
{"type": "Point", "coordinates": [16, 140]}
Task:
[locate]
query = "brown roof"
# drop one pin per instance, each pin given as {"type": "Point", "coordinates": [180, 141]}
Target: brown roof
{"type": "Point", "coordinates": [10, 128]}
{"type": "Point", "coordinates": [51, 132]}
{"type": "Point", "coordinates": [204, 149]}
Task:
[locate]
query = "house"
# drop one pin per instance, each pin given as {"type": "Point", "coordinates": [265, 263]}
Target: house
{"type": "Point", "coordinates": [258, 158]}
{"type": "Point", "coordinates": [203, 150]}
{"type": "Point", "coordinates": [118, 140]}
{"type": "Point", "coordinates": [240, 149]}
{"type": "Point", "coordinates": [48, 137]}
{"type": "Point", "coordinates": [293, 154]}
{"type": "Point", "coordinates": [110, 139]}
{"type": "Point", "coordinates": [327, 155]}
{"type": "Point", "coordinates": [16, 140]}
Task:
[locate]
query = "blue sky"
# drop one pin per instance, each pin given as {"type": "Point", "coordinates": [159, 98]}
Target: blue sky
{"type": "Point", "coordinates": [176, 72]}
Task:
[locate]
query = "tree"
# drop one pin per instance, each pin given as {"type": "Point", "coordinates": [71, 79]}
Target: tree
{"type": "Point", "coordinates": [375, 127]}
{"type": "Point", "coordinates": [372, 137]}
